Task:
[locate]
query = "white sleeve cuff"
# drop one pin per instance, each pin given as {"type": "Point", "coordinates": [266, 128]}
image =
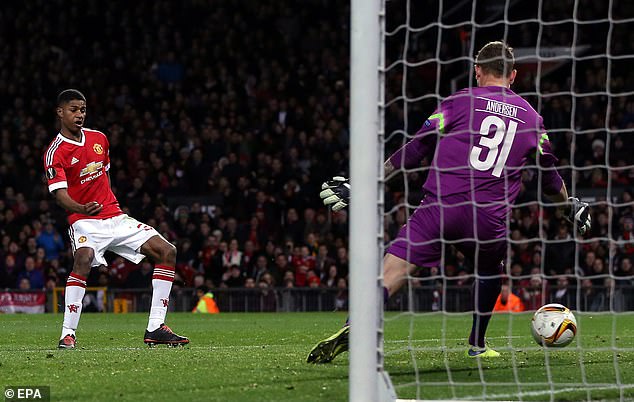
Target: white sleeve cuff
{"type": "Point", "coordinates": [107, 168]}
{"type": "Point", "coordinates": [57, 186]}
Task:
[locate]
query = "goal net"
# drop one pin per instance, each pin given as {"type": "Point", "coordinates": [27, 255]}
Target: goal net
{"type": "Point", "coordinates": [573, 59]}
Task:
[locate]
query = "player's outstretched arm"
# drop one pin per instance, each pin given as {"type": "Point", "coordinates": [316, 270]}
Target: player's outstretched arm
{"type": "Point", "coordinates": [66, 202]}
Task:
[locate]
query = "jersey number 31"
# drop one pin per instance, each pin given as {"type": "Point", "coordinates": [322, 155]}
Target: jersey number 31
{"type": "Point", "coordinates": [492, 145]}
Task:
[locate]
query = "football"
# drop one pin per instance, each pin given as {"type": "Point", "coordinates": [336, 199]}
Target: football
{"type": "Point", "coordinates": [554, 325]}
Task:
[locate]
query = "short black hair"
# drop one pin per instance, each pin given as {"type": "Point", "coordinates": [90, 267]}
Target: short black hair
{"type": "Point", "coordinates": [496, 58]}
{"type": "Point", "coordinates": [68, 95]}
{"type": "Point", "coordinates": [203, 288]}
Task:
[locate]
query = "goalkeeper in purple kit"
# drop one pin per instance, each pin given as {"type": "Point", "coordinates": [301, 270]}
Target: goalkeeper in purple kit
{"type": "Point", "coordinates": [479, 138]}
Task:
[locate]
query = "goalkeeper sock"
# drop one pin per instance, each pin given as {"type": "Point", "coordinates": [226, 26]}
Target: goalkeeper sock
{"type": "Point", "coordinates": [386, 297]}
{"type": "Point", "coordinates": [74, 294]}
{"type": "Point", "coordinates": [161, 287]}
{"type": "Point", "coordinates": [485, 294]}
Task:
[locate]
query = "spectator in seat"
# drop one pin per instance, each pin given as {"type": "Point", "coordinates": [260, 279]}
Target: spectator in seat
{"type": "Point", "coordinates": [330, 277]}
{"type": "Point", "coordinates": [624, 283]}
{"type": "Point", "coordinates": [4, 278]}
{"type": "Point", "coordinates": [35, 277]}
{"type": "Point", "coordinates": [598, 272]}
{"type": "Point", "coordinates": [9, 270]}
{"type": "Point", "coordinates": [525, 282]}
{"type": "Point", "coordinates": [307, 258]}
{"type": "Point", "coordinates": [233, 278]}
{"type": "Point", "coordinates": [322, 260]}
{"type": "Point", "coordinates": [588, 262]}
{"type": "Point", "coordinates": [269, 301]}
{"type": "Point", "coordinates": [312, 279]}
{"type": "Point", "coordinates": [249, 283]}
{"type": "Point", "coordinates": [342, 261]}
{"type": "Point", "coordinates": [516, 273]}
{"type": "Point", "coordinates": [51, 283]}
{"type": "Point", "coordinates": [280, 267]}
{"type": "Point", "coordinates": [294, 227]}
{"type": "Point", "coordinates": [51, 241]}
{"type": "Point", "coordinates": [268, 278]}
{"type": "Point", "coordinates": [258, 269]}
{"type": "Point", "coordinates": [341, 300]}
{"type": "Point", "coordinates": [232, 256]}
{"type": "Point", "coordinates": [24, 284]}
{"type": "Point", "coordinates": [185, 255]}
{"type": "Point", "coordinates": [199, 280]}
{"type": "Point", "coordinates": [560, 256]}
{"type": "Point", "coordinates": [627, 237]}
{"type": "Point", "coordinates": [535, 295]}
{"type": "Point", "coordinates": [141, 278]}
{"type": "Point", "coordinates": [31, 247]}
{"type": "Point", "coordinates": [301, 276]}
{"type": "Point", "coordinates": [248, 255]}
{"type": "Point", "coordinates": [592, 298]}
{"type": "Point", "coordinates": [563, 293]}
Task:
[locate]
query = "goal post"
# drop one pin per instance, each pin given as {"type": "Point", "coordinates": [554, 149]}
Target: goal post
{"type": "Point", "coordinates": [368, 382]}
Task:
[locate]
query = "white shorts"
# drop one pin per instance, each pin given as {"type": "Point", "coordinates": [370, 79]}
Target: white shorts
{"type": "Point", "coordinates": [120, 234]}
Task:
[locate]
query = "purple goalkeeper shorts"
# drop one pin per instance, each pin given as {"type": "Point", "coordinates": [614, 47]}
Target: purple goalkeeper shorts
{"type": "Point", "coordinates": [477, 233]}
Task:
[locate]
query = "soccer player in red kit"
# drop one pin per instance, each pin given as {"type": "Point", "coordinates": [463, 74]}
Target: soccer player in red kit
{"type": "Point", "coordinates": [77, 167]}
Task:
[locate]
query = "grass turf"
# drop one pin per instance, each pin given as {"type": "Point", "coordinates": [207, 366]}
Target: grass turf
{"type": "Point", "coordinates": [261, 357]}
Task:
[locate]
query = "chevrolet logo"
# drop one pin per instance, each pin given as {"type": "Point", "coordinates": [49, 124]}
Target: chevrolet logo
{"type": "Point", "coordinates": [91, 168]}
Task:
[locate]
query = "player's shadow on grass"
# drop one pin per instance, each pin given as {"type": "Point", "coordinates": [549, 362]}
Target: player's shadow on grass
{"type": "Point", "coordinates": [496, 365]}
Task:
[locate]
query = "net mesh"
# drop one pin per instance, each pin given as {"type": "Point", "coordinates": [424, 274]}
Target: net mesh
{"type": "Point", "coordinates": [573, 59]}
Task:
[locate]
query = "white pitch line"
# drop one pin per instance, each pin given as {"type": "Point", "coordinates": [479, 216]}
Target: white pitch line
{"type": "Point", "coordinates": [545, 392]}
{"type": "Point", "coordinates": [124, 348]}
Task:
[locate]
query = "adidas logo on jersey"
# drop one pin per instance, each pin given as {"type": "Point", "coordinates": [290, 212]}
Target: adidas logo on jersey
{"type": "Point", "coordinates": [74, 160]}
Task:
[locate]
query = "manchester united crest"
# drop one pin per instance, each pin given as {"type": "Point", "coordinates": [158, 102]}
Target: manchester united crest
{"type": "Point", "coordinates": [98, 149]}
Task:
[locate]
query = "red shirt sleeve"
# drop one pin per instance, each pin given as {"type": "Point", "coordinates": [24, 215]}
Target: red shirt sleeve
{"type": "Point", "coordinates": [54, 169]}
{"type": "Point", "coordinates": [106, 161]}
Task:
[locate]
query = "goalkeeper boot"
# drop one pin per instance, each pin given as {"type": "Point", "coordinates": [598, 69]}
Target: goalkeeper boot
{"type": "Point", "coordinates": [67, 342]}
{"type": "Point", "coordinates": [163, 335]}
{"type": "Point", "coordinates": [486, 352]}
{"type": "Point", "coordinates": [329, 348]}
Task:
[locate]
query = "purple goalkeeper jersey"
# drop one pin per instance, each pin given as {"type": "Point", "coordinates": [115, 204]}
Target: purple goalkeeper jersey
{"type": "Point", "coordinates": [480, 138]}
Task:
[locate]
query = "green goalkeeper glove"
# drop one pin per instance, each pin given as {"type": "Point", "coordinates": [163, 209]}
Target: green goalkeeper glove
{"type": "Point", "coordinates": [335, 193]}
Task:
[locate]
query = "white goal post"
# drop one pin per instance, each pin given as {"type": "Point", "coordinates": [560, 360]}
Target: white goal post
{"type": "Point", "coordinates": [368, 382]}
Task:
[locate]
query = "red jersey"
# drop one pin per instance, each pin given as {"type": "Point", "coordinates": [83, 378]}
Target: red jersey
{"type": "Point", "coordinates": [81, 168]}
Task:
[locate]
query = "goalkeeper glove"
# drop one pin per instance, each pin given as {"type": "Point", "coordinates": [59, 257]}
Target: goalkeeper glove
{"type": "Point", "coordinates": [578, 212]}
{"type": "Point", "coordinates": [335, 193]}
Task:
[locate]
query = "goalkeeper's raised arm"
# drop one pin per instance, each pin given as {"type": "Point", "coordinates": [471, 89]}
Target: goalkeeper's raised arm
{"type": "Point", "coordinates": [335, 193]}
{"type": "Point", "coordinates": [422, 145]}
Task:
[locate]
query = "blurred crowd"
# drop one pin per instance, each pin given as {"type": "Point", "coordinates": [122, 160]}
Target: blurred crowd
{"type": "Point", "coordinates": [225, 117]}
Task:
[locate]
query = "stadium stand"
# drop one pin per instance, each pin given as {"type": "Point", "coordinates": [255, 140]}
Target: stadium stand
{"type": "Point", "coordinates": [224, 124]}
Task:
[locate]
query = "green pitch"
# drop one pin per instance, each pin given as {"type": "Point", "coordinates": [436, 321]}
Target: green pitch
{"type": "Point", "coordinates": [261, 357]}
